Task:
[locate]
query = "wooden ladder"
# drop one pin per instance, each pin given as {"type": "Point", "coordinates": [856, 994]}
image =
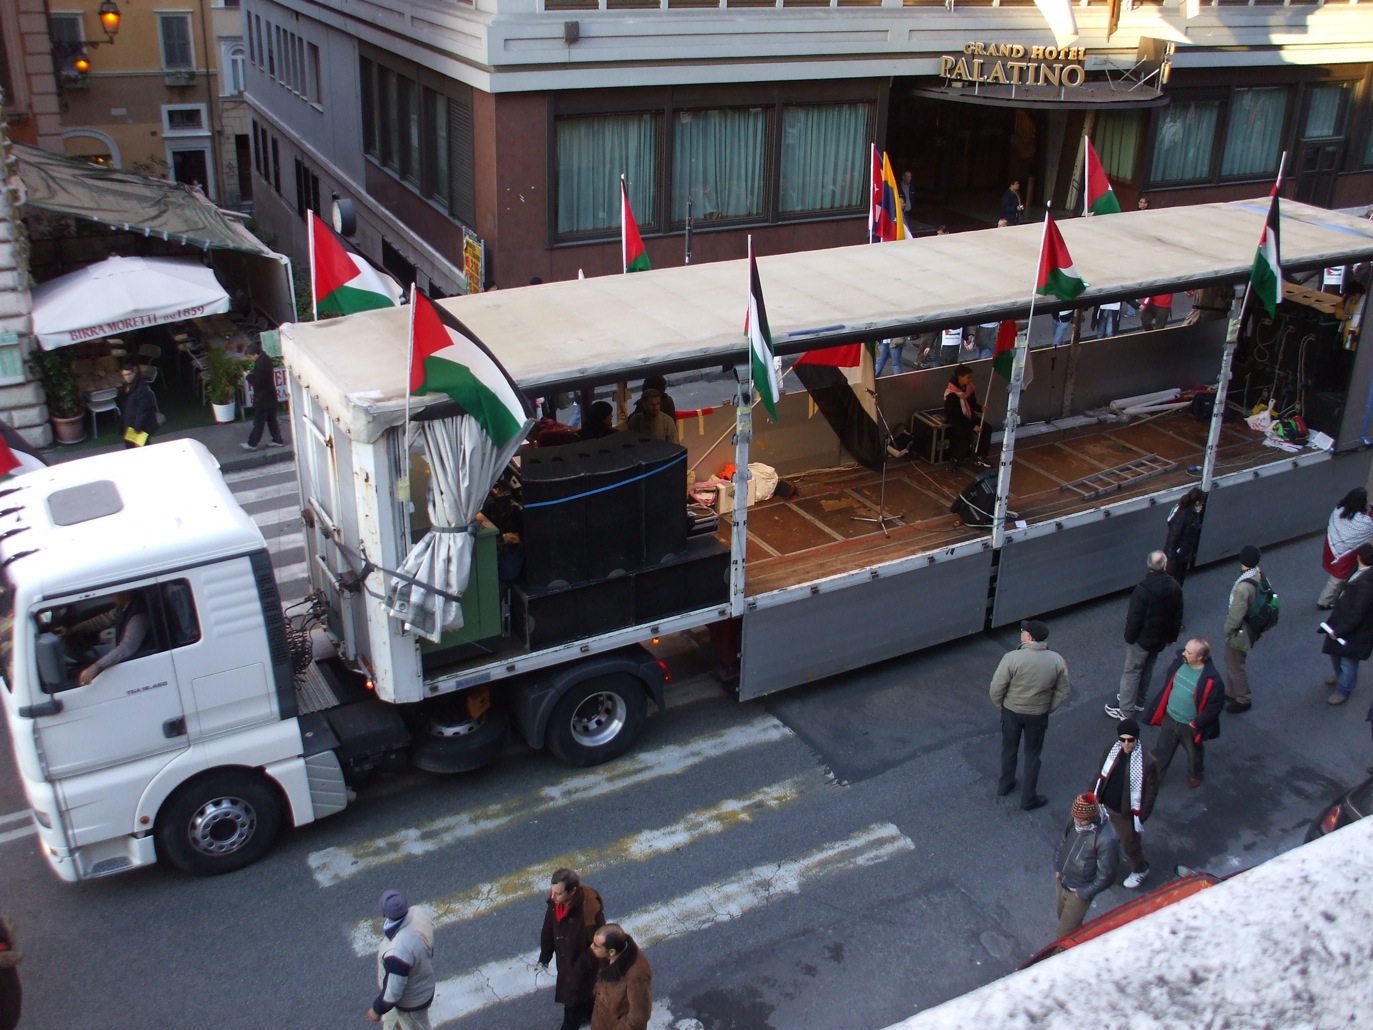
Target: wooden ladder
{"type": "Point", "coordinates": [1121, 476]}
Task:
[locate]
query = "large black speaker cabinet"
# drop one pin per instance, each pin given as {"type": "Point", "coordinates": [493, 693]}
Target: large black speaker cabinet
{"type": "Point", "coordinates": [544, 618]}
{"type": "Point", "coordinates": [976, 505]}
{"type": "Point", "coordinates": [663, 476]}
{"type": "Point", "coordinates": [696, 578]}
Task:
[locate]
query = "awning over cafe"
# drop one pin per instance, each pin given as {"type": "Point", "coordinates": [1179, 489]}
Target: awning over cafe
{"type": "Point", "coordinates": [121, 295]}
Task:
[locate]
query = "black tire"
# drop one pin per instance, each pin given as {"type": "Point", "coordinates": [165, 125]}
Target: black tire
{"type": "Point", "coordinates": [220, 821]}
{"type": "Point", "coordinates": [449, 740]}
{"type": "Point", "coordinates": [598, 719]}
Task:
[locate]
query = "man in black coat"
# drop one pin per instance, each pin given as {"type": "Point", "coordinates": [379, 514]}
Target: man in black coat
{"type": "Point", "coordinates": [1152, 623]}
{"type": "Point", "coordinates": [263, 378]}
{"type": "Point", "coordinates": [137, 408]}
{"type": "Point", "coordinates": [1349, 630]}
{"type": "Point", "coordinates": [1188, 709]}
{"type": "Point", "coordinates": [574, 914]}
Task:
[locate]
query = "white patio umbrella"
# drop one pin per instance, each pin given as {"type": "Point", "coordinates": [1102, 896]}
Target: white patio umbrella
{"type": "Point", "coordinates": [120, 295]}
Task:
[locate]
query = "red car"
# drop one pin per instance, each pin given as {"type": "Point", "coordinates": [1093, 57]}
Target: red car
{"type": "Point", "coordinates": [1189, 882]}
{"type": "Point", "coordinates": [1349, 807]}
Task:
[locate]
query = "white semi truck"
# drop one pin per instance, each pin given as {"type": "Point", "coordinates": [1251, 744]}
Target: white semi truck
{"type": "Point", "coordinates": [222, 727]}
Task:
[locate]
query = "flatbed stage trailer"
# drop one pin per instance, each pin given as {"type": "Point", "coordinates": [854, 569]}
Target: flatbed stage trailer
{"type": "Point", "coordinates": [198, 751]}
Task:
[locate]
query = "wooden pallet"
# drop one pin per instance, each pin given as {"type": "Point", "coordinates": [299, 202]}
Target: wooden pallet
{"type": "Point", "coordinates": [1132, 472]}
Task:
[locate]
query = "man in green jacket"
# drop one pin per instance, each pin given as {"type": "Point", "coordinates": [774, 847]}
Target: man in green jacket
{"type": "Point", "coordinates": [1030, 682]}
{"type": "Point", "coordinates": [1238, 642]}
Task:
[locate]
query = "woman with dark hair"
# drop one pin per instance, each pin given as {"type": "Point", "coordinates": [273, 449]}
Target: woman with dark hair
{"type": "Point", "coordinates": [1184, 533]}
{"type": "Point", "coordinates": [1349, 527]}
{"type": "Point", "coordinates": [137, 407]}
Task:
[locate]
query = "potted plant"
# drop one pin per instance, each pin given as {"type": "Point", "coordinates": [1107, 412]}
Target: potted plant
{"type": "Point", "coordinates": [223, 373]}
{"type": "Point", "coordinates": [53, 370]}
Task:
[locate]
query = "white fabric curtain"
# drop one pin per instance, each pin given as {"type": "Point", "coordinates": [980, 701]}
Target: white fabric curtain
{"type": "Point", "coordinates": [1253, 139]}
{"type": "Point", "coordinates": [824, 155]}
{"type": "Point", "coordinates": [1182, 151]}
{"type": "Point", "coordinates": [717, 161]}
{"type": "Point", "coordinates": [464, 463]}
{"type": "Point", "coordinates": [591, 155]}
{"type": "Point", "coordinates": [1323, 111]}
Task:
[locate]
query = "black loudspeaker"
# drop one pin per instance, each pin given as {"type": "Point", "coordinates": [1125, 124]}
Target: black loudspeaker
{"type": "Point", "coordinates": [614, 535]}
{"type": "Point", "coordinates": [545, 618]}
{"type": "Point", "coordinates": [663, 469]}
{"type": "Point", "coordinates": [555, 517]}
{"type": "Point", "coordinates": [697, 578]}
{"type": "Point", "coordinates": [976, 505]}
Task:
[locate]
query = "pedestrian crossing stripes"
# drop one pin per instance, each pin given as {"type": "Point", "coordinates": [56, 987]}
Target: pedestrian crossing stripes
{"type": "Point", "coordinates": [640, 846]}
{"type": "Point", "coordinates": [506, 980]}
{"type": "Point", "coordinates": [271, 497]}
{"type": "Point", "coordinates": [334, 865]}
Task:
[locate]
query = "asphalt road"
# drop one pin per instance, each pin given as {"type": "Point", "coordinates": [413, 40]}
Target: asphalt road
{"type": "Point", "coordinates": [831, 857]}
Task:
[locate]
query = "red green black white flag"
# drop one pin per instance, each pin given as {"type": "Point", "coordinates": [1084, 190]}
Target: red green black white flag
{"type": "Point", "coordinates": [1265, 281]}
{"type": "Point", "coordinates": [342, 281]}
{"type": "Point", "coordinates": [1058, 275]}
{"type": "Point", "coordinates": [760, 340]}
{"type": "Point", "coordinates": [631, 243]}
{"type": "Point", "coordinates": [1100, 199]}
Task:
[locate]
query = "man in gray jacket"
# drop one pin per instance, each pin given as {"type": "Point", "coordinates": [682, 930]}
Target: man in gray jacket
{"type": "Point", "coordinates": [1030, 682]}
{"type": "Point", "coordinates": [1085, 863]}
{"type": "Point", "coordinates": [405, 965]}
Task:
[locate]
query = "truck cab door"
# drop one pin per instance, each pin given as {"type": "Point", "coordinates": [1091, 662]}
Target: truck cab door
{"type": "Point", "coordinates": [129, 711]}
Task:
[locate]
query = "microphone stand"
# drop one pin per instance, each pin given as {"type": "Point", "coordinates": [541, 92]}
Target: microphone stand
{"type": "Point", "coordinates": [884, 431]}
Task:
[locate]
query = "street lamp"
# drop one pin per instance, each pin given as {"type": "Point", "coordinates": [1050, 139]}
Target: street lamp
{"type": "Point", "coordinates": [74, 50]}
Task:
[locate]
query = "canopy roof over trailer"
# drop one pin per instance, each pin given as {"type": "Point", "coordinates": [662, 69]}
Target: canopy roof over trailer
{"type": "Point", "coordinates": [622, 327]}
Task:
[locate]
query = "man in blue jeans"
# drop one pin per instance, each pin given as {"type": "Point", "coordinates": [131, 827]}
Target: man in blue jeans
{"type": "Point", "coordinates": [889, 349]}
{"type": "Point", "coordinates": [1349, 630]}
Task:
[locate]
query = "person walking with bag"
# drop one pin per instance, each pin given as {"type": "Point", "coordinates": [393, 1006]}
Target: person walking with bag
{"type": "Point", "coordinates": [1349, 526]}
{"type": "Point", "coordinates": [263, 379]}
{"type": "Point", "coordinates": [1126, 785]}
{"type": "Point", "coordinates": [1349, 630]}
{"type": "Point", "coordinates": [1240, 635]}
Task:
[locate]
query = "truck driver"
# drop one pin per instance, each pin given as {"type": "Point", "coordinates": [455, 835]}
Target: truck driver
{"type": "Point", "coordinates": [129, 617]}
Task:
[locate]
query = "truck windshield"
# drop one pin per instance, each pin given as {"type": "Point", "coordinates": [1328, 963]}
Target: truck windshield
{"type": "Point", "coordinates": [7, 633]}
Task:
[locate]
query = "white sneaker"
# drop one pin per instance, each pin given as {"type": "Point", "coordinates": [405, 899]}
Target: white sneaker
{"type": "Point", "coordinates": [247, 447]}
{"type": "Point", "coordinates": [1135, 879]}
{"type": "Point", "coordinates": [1116, 713]}
{"type": "Point", "coordinates": [275, 443]}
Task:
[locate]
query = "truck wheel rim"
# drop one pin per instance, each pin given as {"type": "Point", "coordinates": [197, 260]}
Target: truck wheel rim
{"type": "Point", "coordinates": [599, 719]}
{"type": "Point", "coordinates": [222, 826]}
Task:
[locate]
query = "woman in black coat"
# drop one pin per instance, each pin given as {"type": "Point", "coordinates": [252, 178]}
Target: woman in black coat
{"type": "Point", "coordinates": [1184, 533]}
{"type": "Point", "coordinates": [137, 408]}
{"type": "Point", "coordinates": [1349, 630]}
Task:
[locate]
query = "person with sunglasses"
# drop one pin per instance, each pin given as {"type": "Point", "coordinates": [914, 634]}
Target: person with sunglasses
{"type": "Point", "coordinates": [1126, 786]}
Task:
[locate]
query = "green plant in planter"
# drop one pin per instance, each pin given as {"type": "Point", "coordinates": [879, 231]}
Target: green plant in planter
{"type": "Point", "coordinates": [223, 373]}
{"type": "Point", "coordinates": [53, 370]}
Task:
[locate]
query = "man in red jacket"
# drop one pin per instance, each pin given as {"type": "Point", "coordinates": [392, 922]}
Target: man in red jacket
{"type": "Point", "coordinates": [1188, 710]}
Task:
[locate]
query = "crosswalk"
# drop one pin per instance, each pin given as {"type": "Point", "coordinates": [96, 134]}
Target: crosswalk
{"type": "Point", "coordinates": [270, 496]}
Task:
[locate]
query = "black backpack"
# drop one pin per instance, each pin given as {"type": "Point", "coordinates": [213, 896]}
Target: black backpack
{"type": "Point", "coordinates": [1263, 609]}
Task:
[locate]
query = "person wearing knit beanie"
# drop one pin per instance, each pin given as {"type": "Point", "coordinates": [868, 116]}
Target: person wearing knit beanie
{"type": "Point", "coordinates": [1086, 809]}
{"type": "Point", "coordinates": [1085, 863]}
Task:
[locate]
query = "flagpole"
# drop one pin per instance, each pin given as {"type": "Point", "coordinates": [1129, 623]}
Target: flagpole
{"type": "Point", "coordinates": [624, 226]}
{"type": "Point", "coordinates": [314, 299]}
{"type": "Point", "coordinates": [1003, 479]}
{"type": "Point", "coordinates": [409, 378]}
{"type": "Point", "coordinates": [872, 197]}
{"type": "Point", "coordinates": [1086, 177]}
{"type": "Point", "coordinates": [1208, 465]}
{"type": "Point", "coordinates": [745, 398]}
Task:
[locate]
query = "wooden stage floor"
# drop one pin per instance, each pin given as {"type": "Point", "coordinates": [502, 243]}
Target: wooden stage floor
{"type": "Point", "coordinates": [815, 533]}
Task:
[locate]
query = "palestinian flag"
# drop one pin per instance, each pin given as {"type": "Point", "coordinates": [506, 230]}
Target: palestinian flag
{"type": "Point", "coordinates": [344, 282]}
{"type": "Point", "coordinates": [631, 243]}
{"type": "Point", "coordinates": [1057, 275]}
{"type": "Point", "coordinates": [1100, 198]}
{"type": "Point", "coordinates": [8, 462]}
{"type": "Point", "coordinates": [846, 355]}
{"type": "Point", "coordinates": [446, 357]}
{"type": "Point", "coordinates": [760, 340]}
{"type": "Point", "coordinates": [1004, 355]}
{"type": "Point", "coordinates": [1265, 281]}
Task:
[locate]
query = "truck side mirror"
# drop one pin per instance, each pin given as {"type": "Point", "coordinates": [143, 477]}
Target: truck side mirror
{"type": "Point", "coordinates": [52, 664]}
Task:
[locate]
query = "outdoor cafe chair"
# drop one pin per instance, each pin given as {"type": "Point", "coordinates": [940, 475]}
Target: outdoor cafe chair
{"type": "Point", "coordinates": [98, 402]}
{"type": "Point", "coordinates": [150, 373]}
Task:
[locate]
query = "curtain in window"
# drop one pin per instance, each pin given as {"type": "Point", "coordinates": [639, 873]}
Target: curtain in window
{"type": "Point", "coordinates": [1182, 149]}
{"type": "Point", "coordinates": [176, 41]}
{"type": "Point", "coordinates": [717, 161]}
{"type": "Point", "coordinates": [1253, 139]}
{"type": "Point", "coordinates": [591, 155]}
{"type": "Point", "coordinates": [1116, 141]}
{"type": "Point", "coordinates": [1323, 113]}
{"type": "Point", "coordinates": [824, 155]}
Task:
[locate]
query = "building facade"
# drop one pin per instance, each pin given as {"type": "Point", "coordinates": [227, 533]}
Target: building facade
{"type": "Point", "coordinates": [506, 124]}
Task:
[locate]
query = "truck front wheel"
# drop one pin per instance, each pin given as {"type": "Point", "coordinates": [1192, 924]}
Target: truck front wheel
{"type": "Point", "coordinates": [219, 822]}
{"type": "Point", "coordinates": [598, 719]}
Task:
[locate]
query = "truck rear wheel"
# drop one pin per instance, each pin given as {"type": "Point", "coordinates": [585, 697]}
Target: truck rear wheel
{"type": "Point", "coordinates": [598, 719]}
{"type": "Point", "coordinates": [451, 740]}
{"type": "Point", "coordinates": [219, 822]}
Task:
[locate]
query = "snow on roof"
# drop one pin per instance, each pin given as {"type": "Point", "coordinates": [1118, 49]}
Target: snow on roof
{"type": "Point", "coordinates": [167, 506]}
{"type": "Point", "coordinates": [1284, 944]}
{"type": "Point", "coordinates": [620, 327]}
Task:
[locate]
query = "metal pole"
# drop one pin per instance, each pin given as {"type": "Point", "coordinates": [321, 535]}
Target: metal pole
{"type": "Point", "coordinates": [688, 231]}
{"type": "Point", "coordinates": [743, 436]}
{"type": "Point", "coordinates": [1208, 467]}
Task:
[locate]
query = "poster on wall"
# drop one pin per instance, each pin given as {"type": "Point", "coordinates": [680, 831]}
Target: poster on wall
{"type": "Point", "coordinates": [473, 261]}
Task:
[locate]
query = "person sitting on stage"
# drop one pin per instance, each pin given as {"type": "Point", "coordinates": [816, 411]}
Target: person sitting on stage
{"type": "Point", "coordinates": [650, 420]}
{"type": "Point", "coordinates": [964, 416]}
{"type": "Point", "coordinates": [598, 422]}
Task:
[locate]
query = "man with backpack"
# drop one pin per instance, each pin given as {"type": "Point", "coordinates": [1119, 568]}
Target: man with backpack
{"type": "Point", "coordinates": [1253, 611]}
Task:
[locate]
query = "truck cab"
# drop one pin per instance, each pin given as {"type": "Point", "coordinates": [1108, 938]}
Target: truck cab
{"type": "Point", "coordinates": [146, 669]}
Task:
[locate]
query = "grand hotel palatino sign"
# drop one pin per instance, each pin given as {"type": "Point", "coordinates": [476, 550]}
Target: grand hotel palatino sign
{"type": "Point", "coordinates": [1012, 64]}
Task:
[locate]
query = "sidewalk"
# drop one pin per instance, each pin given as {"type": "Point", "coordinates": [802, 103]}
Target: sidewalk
{"type": "Point", "coordinates": [225, 442]}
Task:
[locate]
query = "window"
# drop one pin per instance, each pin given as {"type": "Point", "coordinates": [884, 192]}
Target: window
{"type": "Point", "coordinates": [1116, 140]}
{"type": "Point", "coordinates": [276, 165]}
{"type": "Point", "coordinates": [177, 52]}
{"type": "Point", "coordinates": [717, 164]}
{"type": "Point", "coordinates": [434, 180]}
{"type": "Point", "coordinates": [367, 73]}
{"type": "Point", "coordinates": [273, 34]}
{"type": "Point", "coordinates": [184, 120]}
{"type": "Point", "coordinates": [824, 149]}
{"type": "Point", "coordinates": [1183, 147]}
{"type": "Point", "coordinates": [1253, 131]}
{"type": "Point", "coordinates": [66, 31]}
{"type": "Point", "coordinates": [591, 154]}
{"type": "Point", "coordinates": [234, 80]}
{"type": "Point", "coordinates": [410, 111]}
{"type": "Point", "coordinates": [257, 34]}
{"type": "Point", "coordinates": [389, 106]}
{"type": "Point", "coordinates": [315, 93]}
{"type": "Point", "coordinates": [1325, 107]}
